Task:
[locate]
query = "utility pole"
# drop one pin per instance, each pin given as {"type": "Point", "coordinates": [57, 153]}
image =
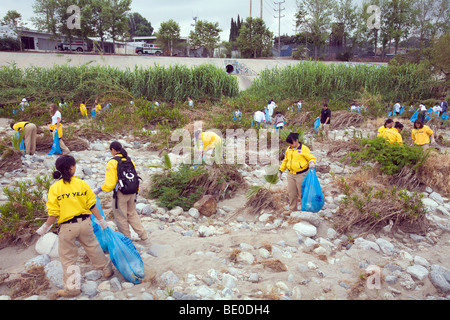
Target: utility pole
{"type": "Point", "coordinates": [261, 9]}
{"type": "Point", "coordinates": [250, 8]}
{"type": "Point", "coordinates": [279, 22]}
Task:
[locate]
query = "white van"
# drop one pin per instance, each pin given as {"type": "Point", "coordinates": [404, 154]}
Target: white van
{"type": "Point", "coordinates": [149, 48]}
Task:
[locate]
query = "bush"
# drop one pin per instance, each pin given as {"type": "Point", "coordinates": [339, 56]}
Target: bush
{"type": "Point", "coordinates": [24, 210]}
{"type": "Point", "coordinates": [9, 44]}
{"type": "Point", "coordinates": [175, 188]}
{"type": "Point", "coordinates": [391, 157]}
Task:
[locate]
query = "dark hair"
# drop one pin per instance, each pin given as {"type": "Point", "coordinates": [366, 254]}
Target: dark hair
{"type": "Point", "coordinates": [63, 165]}
{"type": "Point", "coordinates": [398, 125]}
{"type": "Point", "coordinates": [293, 136]}
{"type": "Point", "coordinates": [118, 147]}
{"type": "Point", "coordinates": [419, 122]}
{"type": "Point", "coordinates": [388, 121]}
{"type": "Point", "coordinates": [12, 125]}
{"type": "Point", "coordinates": [325, 105]}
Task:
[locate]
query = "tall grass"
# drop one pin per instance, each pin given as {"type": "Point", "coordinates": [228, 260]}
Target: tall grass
{"type": "Point", "coordinates": [174, 83]}
{"type": "Point", "coordinates": [310, 79]}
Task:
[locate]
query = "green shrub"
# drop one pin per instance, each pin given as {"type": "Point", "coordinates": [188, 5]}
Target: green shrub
{"type": "Point", "coordinates": [176, 188]}
{"type": "Point", "coordinates": [391, 157]}
{"type": "Point", "coordinates": [24, 209]}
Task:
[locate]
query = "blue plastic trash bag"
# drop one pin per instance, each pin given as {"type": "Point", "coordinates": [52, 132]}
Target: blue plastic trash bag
{"type": "Point", "coordinates": [402, 110]}
{"type": "Point", "coordinates": [93, 113]}
{"type": "Point", "coordinates": [312, 195]}
{"type": "Point", "coordinates": [444, 116]}
{"type": "Point", "coordinates": [414, 116]}
{"type": "Point", "coordinates": [56, 148]}
{"type": "Point", "coordinates": [22, 142]}
{"type": "Point", "coordinates": [124, 256]}
{"type": "Point", "coordinates": [317, 125]}
{"type": "Point", "coordinates": [101, 236]}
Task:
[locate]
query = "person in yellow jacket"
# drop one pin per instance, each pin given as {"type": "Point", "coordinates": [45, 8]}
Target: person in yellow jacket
{"type": "Point", "coordinates": [30, 133]}
{"type": "Point", "coordinates": [422, 135]}
{"type": "Point", "coordinates": [393, 135]}
{"type": "Point", "coordinates": [387, 125]}
{"type": "Point", "coordinates": [97, 107]}
{"type": "Point", "coordinates": [83, 109]}
{"type": "Point", "coordinates": [210, 141]}
{"type": "Point", "coordinates": [70, 203]}
{"type": "Point", "coordinates": [56, 124]}
{"type": "Point", "coordinates": [297, 160]}
{"type": "Point", "coordinates": [124, 205]}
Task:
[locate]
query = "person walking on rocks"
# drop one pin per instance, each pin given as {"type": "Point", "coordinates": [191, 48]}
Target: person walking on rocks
{"type": "Point", "coordinates": [30, 133]}
{"type": "Point", "coordinates": [56, 124]}
{"type": "Point", "coordinates": [297, 160]}
{"type": "Point", "coordinates": [70, 203]}
{"type": "Point", "coordinates": [121, 177]}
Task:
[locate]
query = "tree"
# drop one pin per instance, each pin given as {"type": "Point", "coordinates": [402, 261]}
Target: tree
{"type": "Point", "coordinates": [119, 19]}
{"type": "Point", "coordinates": [255, 39]}
{"type": "Point", "coordinates": [401, 16]}
{"type": "Point", "coordinates": [13, 19]}
{"type": "Point", "coordinates": [206, 34]}
{"type": "Point", "coordinates": [139, 26]}
{"type": "Point", "coordinates": [168, 35]}
{"type": "Point", "coordinates": [46, 16]}
{"type": "Point", "coordinates": [318, 20]}
{"type": "Point", "coordinates": [345, 15]}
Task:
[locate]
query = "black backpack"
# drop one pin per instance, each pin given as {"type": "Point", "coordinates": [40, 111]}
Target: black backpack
{"type": "Point", "coordinates": [128, 180]}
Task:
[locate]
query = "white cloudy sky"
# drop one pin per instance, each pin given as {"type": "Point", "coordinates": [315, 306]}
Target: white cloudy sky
{"type": "Point", "coordinates": [183, 12]}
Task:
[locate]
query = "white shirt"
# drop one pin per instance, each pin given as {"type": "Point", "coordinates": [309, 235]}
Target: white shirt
{"type": "Point", "coordinates": [437, 109]}
{"type": "Point", "coordinates": [55, 117]}
{"type": "Point", "coordinates": [191, 103]}
{"type": "Point", "coordinates": [397, 107]}
{"type": "Point", "coordinates": [259, 116]}
{"type": "Point", "coordinates": [270, 107]}
{"type": "Point", "coordinates": [422, 107]}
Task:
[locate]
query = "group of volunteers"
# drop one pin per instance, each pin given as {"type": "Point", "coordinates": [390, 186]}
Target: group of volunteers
{"type": "Point", "coordinates": [71, 201]}
{"type": "Point", "coordinates": [421, 135]}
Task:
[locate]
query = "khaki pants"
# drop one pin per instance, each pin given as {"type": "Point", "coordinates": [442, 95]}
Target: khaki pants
{"type": "Point", "coordinates": [68, 251]}
{"type": "Point", "coordinates": [63, 147]}
{"type": "Point", "coordinates": [295, 189]}
{"type": "Point", "coordinates": [125, 214]}
{"type": "Point", "coordinates": [30, 132]}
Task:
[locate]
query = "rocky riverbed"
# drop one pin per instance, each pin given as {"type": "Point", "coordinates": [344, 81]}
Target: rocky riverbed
{"type": "Point", "coordinates": [233, 255]}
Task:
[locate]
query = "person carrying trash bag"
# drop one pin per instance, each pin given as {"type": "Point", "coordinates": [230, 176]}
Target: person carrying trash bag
{"type": "Point", "coordinates": [57, 127]}
{"type": "Point", "coordinates": [30, 132]}
{"type": "Point", "coordinates": [121, 177]}
{"type": "Point", "coordinates": [70, 203]}
{"type": "Point", "coordinates": [297, 160]}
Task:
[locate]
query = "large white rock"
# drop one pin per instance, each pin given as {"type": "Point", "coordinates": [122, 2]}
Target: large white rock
{"type": "Point", "coordinates": [48, 244]}
{"type": "Point", "coordinates": [305, 229]}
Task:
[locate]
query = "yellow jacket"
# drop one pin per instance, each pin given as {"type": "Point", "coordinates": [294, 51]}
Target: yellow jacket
{"type": "Point", "coordinates": [68, 200]}
{"type": "Point", "coordinates": [83, 109]}
{"type": "Point", "coordinates": [392, 135]}
{"type": "Point", "coordinates": [297, 160]}
{"type": "Point", "coordinates": [210, 140]}
{"type": "Point", "coordinates": [381, 130]}
{"type": "Point", "coordinates": [52, 127]}
{"type": "Point", "coordinates": [20, 125]}
{"type": "Point", "coordinates": [421, 136]}
{"type": "Point", "coordinates": [111, 178]}
{"type": "Point", "coordinates": [98, 107]}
